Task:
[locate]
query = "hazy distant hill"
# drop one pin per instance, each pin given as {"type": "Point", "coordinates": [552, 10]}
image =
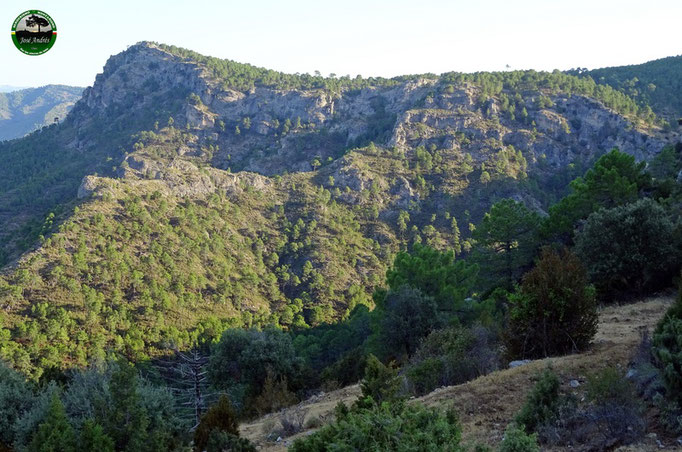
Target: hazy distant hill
{"type": "Point", "coordinates": [26, 110]}
{"type": "Point", "coordinates": [10, 88]}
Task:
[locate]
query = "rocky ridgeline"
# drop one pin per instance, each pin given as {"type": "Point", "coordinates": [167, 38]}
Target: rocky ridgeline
{"type": "Point", "coordinates": [246, 129]}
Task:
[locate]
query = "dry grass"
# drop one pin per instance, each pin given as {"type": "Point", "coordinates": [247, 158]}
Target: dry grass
{"type": "Point", "coordinates": [486, 405]}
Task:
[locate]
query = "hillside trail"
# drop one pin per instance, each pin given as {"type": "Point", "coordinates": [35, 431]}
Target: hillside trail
{"type": "Point", "coordinates": [487, 404]}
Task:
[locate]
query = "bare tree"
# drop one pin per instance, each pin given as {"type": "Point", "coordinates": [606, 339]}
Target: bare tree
{"type": "Point", "coordinates": [187, 378]}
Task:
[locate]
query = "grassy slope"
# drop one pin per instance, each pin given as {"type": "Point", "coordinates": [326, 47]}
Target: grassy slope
{"type": "Point", "coordinates": [486, 405]}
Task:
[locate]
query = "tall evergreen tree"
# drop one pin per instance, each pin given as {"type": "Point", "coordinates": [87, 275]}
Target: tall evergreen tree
{"type": "Point", "coordinates": [128, 420]}
{"type": "Point", "coordinates": [93, 438]}
{"type": "Point", "coordinates": [55, 434]}
{"type": "Point", "coordinates": [507, 241]}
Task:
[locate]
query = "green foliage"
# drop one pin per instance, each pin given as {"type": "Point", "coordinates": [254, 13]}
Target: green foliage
{"type": "Point", "coordinates": [628, 249]}
{"type": "Point", "coordinates": [512, 82]}
{"type": "Point", "coordinates": [337, 348]}
{"type": "Point", "coordinates": [273, 396]}
{"type": "Point", "coordinates": [16, 398]}
{"type": "Point", "coordinates": [94, 438]}
{"type": "Point", "coordinates": [667, 349]}
{"type": "Point", "coordinates": [346, 370]}
{"type": "Point", "coordinates": [436, 274]}
{"type": "Point", "coordinates": [667, 164]}
{"type": "Point", "coordinates": [406, 317]}
{"type": "Point", "coordinates": [221, 418]}
{"type": "Point", "coordinates": [187, 285]}
{"type": "Point", "coordinates": [109, 392]}
{"type": "Point", "coordinates": [399, 428]}
{"type": "Point", "coordinates": [542, 403]}
{"type": "Point", "coordinates": [55, 434]}
{"type": "Point", "coordinates": [248, 356]}
{"type": "Point", "coordinates": [654, 84]}
{"type": "Point", "coordinates": [612, 414]}
{"type": "Point", "coordinates": [554, 311]}
{"type": "Point", "coordinates": [128, 420]}
{"type": "Point", "coordinates": [609, 386]}
{"type": "Point", "coordinates": [614, 180]}
{"type": "Point", "coordinates": [451, 356]}
{"type": "Point", "coordinates": [380, 384]}
{"type": "Point", "coordinates": [506, 241]}
{"type": "Point", "coordinates": [220, 441]}
{"type": "Point", "coordinates": [244, 77]}
{"type": "Point", "coordinates": [517, 440]}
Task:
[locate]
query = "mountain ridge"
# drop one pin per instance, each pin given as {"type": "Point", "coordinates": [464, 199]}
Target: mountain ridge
{"type": "Point", "coordinates": [183, 205]}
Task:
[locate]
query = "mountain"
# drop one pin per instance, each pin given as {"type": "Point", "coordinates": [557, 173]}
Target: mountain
{"type": "Point", "coordinates": [184, 194]}
{"type": "Point", "coordinates": [656, 83]}
{"type": "Point", "coordinates": [25, 110]}
{"type": "Point", "coordinates": [10, 88]}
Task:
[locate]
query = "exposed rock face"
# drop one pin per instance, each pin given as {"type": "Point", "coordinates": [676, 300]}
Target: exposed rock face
{"type": "Point", "coordinates": [271, 131]}
{"type": "Point", "coordinates": [87, 187]}
{"type": "Point", "coordinates": [143, 68]}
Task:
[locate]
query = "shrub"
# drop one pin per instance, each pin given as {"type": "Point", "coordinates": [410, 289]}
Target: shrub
{"type": "Point", "coordinates": [667, 349]}
{"type": "Point", "coordinates": [293, 422]}
{"type": "Point", "coordinates": [274, 396]}
{"type": "Point", "coordinates": [616, 411]}
{"type": "Point", "coordinates": [436, 274]}
{"type": "Point", "coordinates": [398, 428]}
{"type": "Point", "coordinates": [612, 416]}
{"type": "Point", "coordinates": [516, 440]}
{"type": "Point", "coordinates": [93, 438]}
{"type": "Point", "coordinates": [380, 384]}
{"type": "Point", "coordinates": [628, 249]}
{"type": "Point", "coordinates": [554, 312]}
{"type": "Point", "coordinates": [542, 404]}
{"type": "Point", "coordinates": [451, 356]}
{"type": "Point", "coordinates": [348, 369]}
{"type": "Point", "coordinates": [426, 375]}
{"type": "Point", "coordinates": [220, 441]}
{"type": "Point", "coordinates": [665, 379]}
{"type": "Point", "coordinates": [615, 179]}
{"type": "Point", "coordinates": [219, 417]}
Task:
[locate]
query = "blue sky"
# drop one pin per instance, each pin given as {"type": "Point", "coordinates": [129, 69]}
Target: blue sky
{"type": "Point", "coordinates": [365, 37]}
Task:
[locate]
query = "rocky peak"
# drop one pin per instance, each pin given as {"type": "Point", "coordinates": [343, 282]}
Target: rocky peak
{"type": "Point", "coordinates": [142, 71]}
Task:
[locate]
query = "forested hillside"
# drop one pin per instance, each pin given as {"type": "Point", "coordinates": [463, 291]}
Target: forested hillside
{"type": "Point", "coordinates": [276, 234]}
{"type": "Point", "coordinates": [656, 83]}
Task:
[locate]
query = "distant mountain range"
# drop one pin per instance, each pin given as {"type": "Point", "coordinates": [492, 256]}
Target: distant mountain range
{"type": "Point", "coordinates": [25, 110]}
{"type": "Point", "coordinates": [10, 88]}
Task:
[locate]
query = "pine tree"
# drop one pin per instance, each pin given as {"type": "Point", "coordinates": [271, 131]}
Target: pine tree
{"type": "Point", "coordinates": [55, 434]}
{"type": "Point", "coordinates": [507, 241]}
{"type": "Point", "coordinates": [128, 420]}
{"type": "Point", "coordinates": [456, 237]}
{"type": "Point", "coordinates": [93, 438]}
